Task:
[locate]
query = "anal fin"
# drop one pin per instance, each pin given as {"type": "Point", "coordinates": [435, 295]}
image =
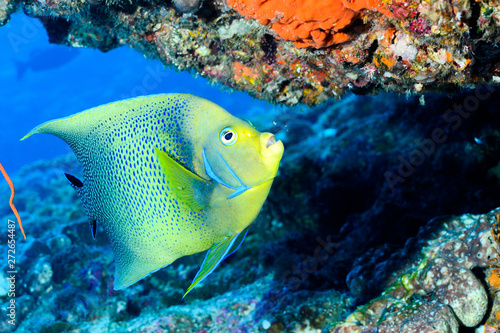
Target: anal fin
{"type": "Point", "coordinates": [129, 269]}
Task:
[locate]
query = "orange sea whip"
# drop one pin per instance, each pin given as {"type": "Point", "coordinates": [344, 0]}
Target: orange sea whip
{"type": "Point", "coordinates": [11, 201]}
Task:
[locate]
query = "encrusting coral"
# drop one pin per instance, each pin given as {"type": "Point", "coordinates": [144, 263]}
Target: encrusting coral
{"type": "Point", "coordinates": [308, 22]}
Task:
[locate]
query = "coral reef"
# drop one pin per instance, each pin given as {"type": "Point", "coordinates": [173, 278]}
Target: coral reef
{"type": "Point", "coordinates": [7, 7]}
{"type": "Point", "coordinates": [337, 247]}
{"type": "Point", "coordinates": [305, 53]}
{"type": "Point", "coordinates": [307, 22]}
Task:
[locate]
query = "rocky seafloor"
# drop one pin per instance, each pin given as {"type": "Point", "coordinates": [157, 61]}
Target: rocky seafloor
{"type": "Point", "coordinates": [379, 221]}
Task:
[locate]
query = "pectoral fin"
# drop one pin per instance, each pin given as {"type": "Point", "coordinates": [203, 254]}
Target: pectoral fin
{"type": "Point", "coordinates": [186, 186]}
{"type": "Point", "coordinates": [215, 255]}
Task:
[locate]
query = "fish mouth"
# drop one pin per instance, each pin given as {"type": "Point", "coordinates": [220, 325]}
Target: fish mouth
{"type": "Point", "coordinates": [271, 141]}
{"type": "Point", "coordinates": [270, 147]}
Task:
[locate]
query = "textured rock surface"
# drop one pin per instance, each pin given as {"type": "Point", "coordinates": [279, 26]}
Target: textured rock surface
{"type": "Point", "coordinates": [405, 46]}
{"type": "Point", "coordinates": [440, 280]}
{"type": "Point", "coordinates": [187, 6]}
{"type": "Point", "coordinates": [7, 7]}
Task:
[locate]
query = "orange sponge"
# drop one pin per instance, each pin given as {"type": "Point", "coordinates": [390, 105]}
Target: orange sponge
{"type": "Point", "coordinates": [316, 23]}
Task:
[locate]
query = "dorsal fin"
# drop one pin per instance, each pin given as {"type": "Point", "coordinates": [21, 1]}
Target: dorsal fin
{"type": "Point", "coordinates": [74, 128]}
{"type": "Point", "coordinates": [186, 186]}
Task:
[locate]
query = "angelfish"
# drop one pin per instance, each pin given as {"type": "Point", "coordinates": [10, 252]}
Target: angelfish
{"type": "Point", "coordinates": [168, 176]}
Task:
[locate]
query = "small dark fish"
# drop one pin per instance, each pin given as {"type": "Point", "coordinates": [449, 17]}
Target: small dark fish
{"type": "Point", "coordinates": [46, 59]}
{"type": "Point", "coordinates": [479, 141]}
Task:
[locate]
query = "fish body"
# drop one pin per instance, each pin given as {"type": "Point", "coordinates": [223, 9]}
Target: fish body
{"type": "Point", "coordinates": [168, 176]}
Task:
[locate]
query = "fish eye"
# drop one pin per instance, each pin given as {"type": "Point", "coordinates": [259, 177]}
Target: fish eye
{"type": "Point", "coordinates": [228, 136]}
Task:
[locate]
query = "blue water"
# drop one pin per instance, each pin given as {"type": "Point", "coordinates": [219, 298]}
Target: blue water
{"type": "Point", "coordinates": [35, 89]}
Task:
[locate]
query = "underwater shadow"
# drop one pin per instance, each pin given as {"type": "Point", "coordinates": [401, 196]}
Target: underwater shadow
{"type": "Point", "coordinates": [349, 225]}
